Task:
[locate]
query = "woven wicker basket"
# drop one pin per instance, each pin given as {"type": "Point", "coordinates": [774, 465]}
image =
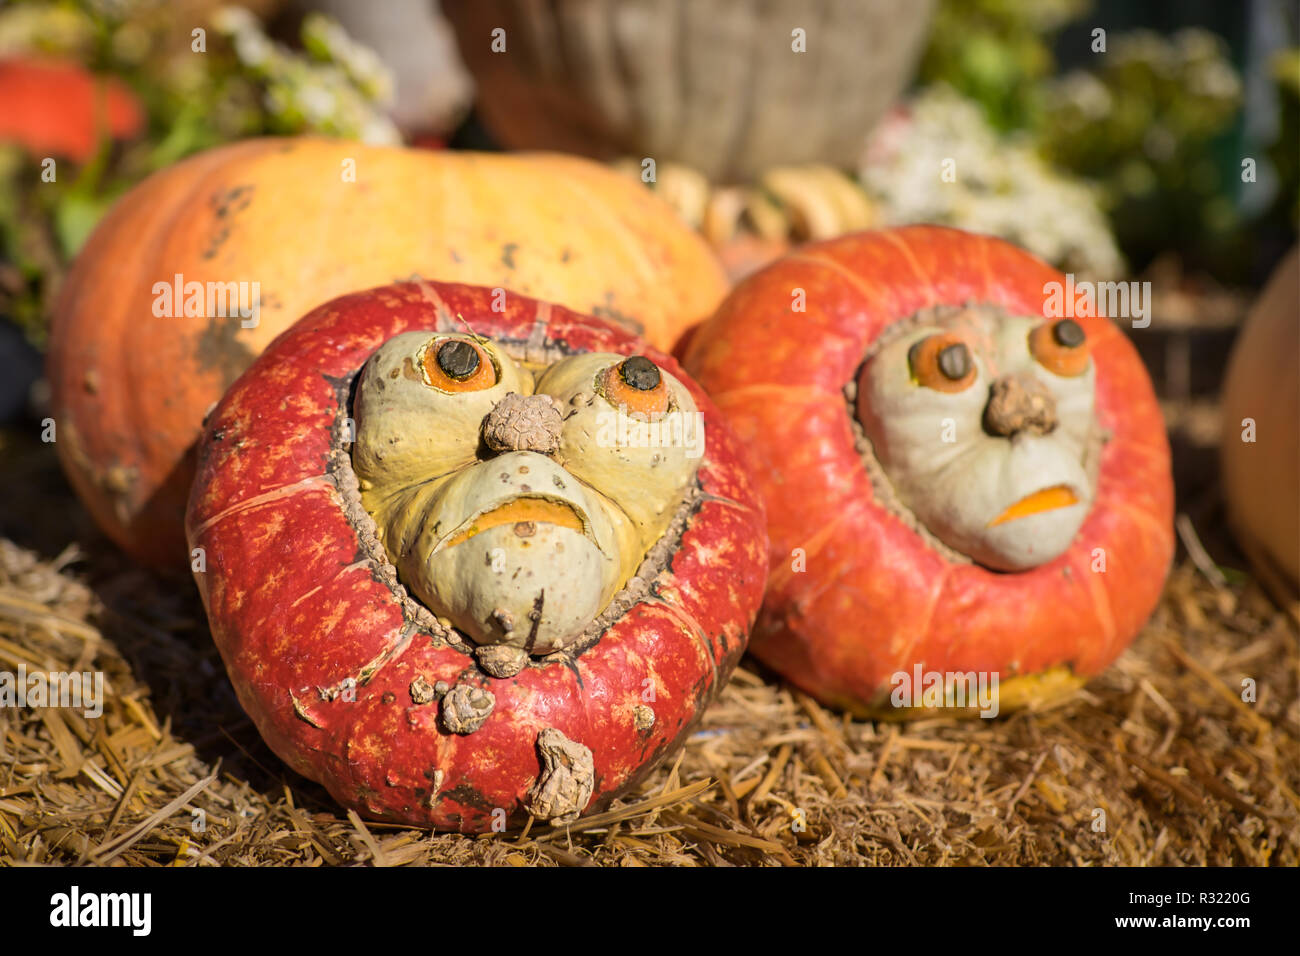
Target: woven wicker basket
{"type": "Point", "coordinates": [717, 85]}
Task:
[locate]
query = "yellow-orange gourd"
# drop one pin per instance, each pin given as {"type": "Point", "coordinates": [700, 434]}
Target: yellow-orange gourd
{"type": "Point", "coordinates": [1261, 424]}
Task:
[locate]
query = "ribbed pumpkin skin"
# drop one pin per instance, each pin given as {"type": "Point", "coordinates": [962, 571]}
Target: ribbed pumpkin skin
{"type": "Point", "coordinates": [297, 604]}
{"type": "Point", "coordinates": [715, 85]}
{"type": "Point", "coordinates": [130, 390]}
{"type": "Point", "coordinates": [875, 598]}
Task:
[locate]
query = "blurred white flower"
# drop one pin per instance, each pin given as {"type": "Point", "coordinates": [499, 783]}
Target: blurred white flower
{"type": "Point", "coordinates": [999, 186]}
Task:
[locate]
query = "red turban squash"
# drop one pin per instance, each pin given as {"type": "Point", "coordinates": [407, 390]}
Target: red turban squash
{"type": "Point", "coordinates": [453, 570]}
{"type": "Point", "coordinates": [956, 480]}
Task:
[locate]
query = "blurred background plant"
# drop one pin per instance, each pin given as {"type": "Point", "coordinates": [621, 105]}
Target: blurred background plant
{"type": "Point", "coordinates": [201, 74]}
{"type": "Point", "coordinates": [1285, 73]}
{"type": "Point", "coordinates": [999, 184]}
{"type": "Point", "coordinates": [1147, 124]}
{"type": "Point", "coordinates": [998, 53]}
{"type": "Point", "coordinates": [1154, 120]}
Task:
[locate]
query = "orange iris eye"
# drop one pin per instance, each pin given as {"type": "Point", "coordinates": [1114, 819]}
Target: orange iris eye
{"type": "Point", "coordinates": [1061, 347]}
{"type": "Point", "coordinates": [458, 365]}
{"type": "Point", "coordinates": [942, 362]}
{"type": "Point", "coordinates": [637, 385]}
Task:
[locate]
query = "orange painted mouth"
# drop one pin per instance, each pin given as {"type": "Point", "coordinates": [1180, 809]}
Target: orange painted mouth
{"type": "Point", "coordinates": [525, 514]}
{"type": "Point", "coordinates": [1058, 496]}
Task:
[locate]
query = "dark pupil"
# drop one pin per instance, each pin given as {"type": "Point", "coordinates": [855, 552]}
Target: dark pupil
{"type": "Point", "coordinates": [1069, 333]}
{"type": "Point", "coordinates": [640, 373]}
{"type": "Point", "coordinates": [458, 359]}
{"type": "Point", "coordinates": [954, 361]}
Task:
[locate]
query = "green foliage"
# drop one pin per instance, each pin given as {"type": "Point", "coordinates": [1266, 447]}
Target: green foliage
{"type": "Point", "coordinates": [197, 92]}
{"type": "Point", "coordinates": [332, 87]}
{"type": "Point", "coordinates": [1284, 155]}
{"type": "Point", "coordinates": [998, 53]}
{"type": "Point", "coordinates": [1146, 122]}
{"type": "Point", "coordinates": [1143, 125]}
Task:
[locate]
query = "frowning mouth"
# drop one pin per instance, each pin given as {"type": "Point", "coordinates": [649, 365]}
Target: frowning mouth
{"type": "Point", "coordinates": [525, 514]}
{"type": "Point", "coordinates": [1047, 499]}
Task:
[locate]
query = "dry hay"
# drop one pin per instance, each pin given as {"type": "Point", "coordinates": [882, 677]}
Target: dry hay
{"type": "Point", "coordinates": [1184, 770]}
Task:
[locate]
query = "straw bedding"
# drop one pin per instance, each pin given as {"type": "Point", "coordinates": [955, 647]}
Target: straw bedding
{"type": "Point", "coordinates": [1157, 762]}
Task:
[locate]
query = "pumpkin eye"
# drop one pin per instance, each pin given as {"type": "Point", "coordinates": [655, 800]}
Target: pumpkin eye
{"type": "Point", "coordinates": [457, 365]}
{"type": "Point", "coordinates": [1061, 347]}
{"type": "Point", "coordinates": [942, 362]}
{"type": "Point", "coordinates": [636, 384]}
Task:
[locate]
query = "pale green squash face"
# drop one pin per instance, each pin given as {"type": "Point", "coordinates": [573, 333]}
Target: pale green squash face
{"type": "Point", "coordinates": [515, 500]}
{"type": "Point", "coordinates": [984, 426]}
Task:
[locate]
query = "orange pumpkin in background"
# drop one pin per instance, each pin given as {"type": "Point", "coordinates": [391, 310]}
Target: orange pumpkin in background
{"type": "Point", "coordinates": [298, 222]}
{"type": "Point", "coordinates": [59, 108]}
{"type": "Point", "coordinates": [959, 481]}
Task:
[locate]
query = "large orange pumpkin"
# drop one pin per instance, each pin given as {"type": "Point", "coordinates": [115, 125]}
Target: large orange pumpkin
{"type": "Point", "coordinates": [306, 220]}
